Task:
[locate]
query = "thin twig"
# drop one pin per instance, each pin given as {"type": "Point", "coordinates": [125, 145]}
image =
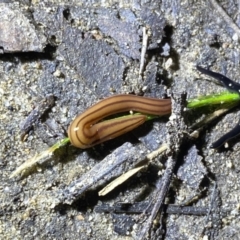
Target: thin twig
{"type": "Point", "coordinates": [143, 52]}
{"type": "Point", "coordinates": [124, 177]}
{"type": "Point", "coordinates": [157, 152]}
{"type": "Point", "coordinates": [200, 125]}
{"type": "Point", "coordinates": [214, 215]}
{"type": "Point", "coordinates": [225, 16]}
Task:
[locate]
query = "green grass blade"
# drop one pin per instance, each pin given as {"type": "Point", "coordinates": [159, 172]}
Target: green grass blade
{"type": "Point", "coordinates": [45, 154]}
{"type": "Point", "coordinates": [217, 99]}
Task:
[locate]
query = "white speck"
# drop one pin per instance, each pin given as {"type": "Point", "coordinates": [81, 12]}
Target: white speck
{"type": "Point", "coordinates": [144, 88]}
{"type": "Point", "coordinates": [205, 237]}
{"type": "Point", "coordinates": [172, 117]}
{"type": "Point", "coordinates": [229, 164]}
{"type": "Point", "coordinates": [235, 37]}
{"type": "Point", "coordinates": [76, 129]}
{"type": "Point", "coordinates": [195, 134]}
{"type": "Point", "coordinates": [226, 145]}
{"type": "Point", "coordinates": [57, 73]}
{"type": "Point", "coordinates": [168, 63]}
{"type": "Point", "coordinates": [229, 84]}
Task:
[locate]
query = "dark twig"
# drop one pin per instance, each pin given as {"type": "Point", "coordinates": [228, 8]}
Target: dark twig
{"type": "Point", "coordinates": [161, 192]}
{"type": "Point", "coordinates": [138, 208]}
{"type": "Point", "coordinates": [36, 114]}
{"type": "Point", "coordinates": [214, 216]}
{"type": "Point", "coordinates": [176, 127]}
